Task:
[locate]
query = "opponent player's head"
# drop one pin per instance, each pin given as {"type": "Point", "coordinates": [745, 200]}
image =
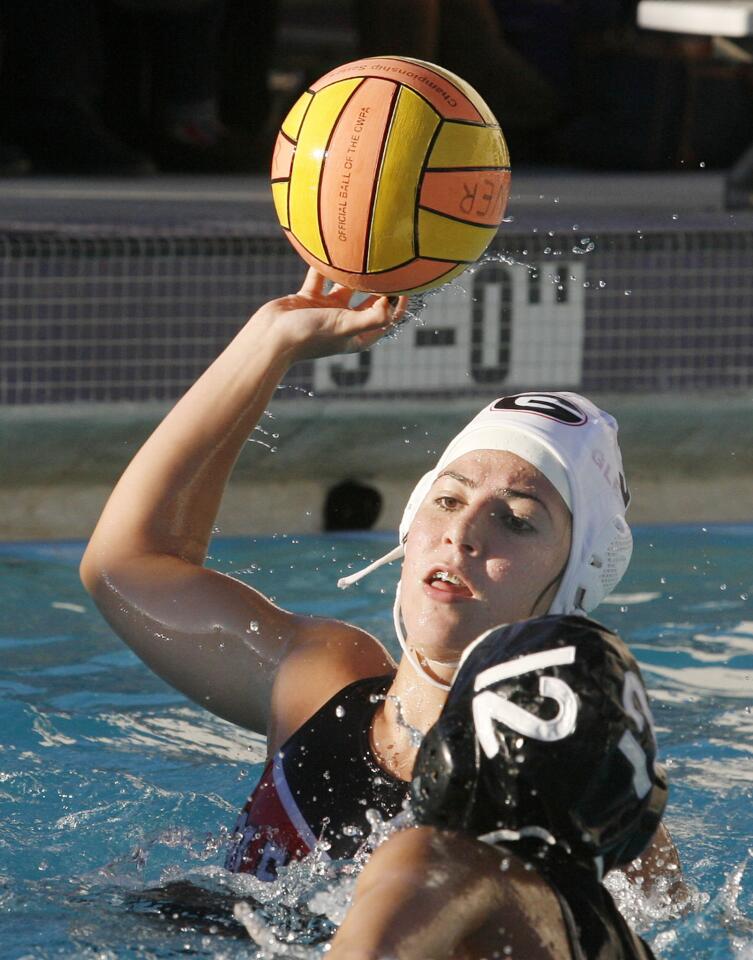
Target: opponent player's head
{"type": "Point", "coordinates": [572, 444]}
{"type": "Point", "coordinates": [546, 733]}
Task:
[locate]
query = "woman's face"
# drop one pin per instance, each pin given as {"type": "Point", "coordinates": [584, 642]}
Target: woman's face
{"type": "Point", "coordinates": [487, 546]}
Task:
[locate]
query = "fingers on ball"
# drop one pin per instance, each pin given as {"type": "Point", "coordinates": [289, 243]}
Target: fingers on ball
{"type": "Point", "coordinates": [314, 282]}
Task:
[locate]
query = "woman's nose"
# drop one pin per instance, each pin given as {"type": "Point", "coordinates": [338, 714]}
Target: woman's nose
{"type": "Point", "coordinates": [465, 532]}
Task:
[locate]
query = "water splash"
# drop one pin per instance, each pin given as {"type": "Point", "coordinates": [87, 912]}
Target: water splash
{"type": "Point", "coordinates": [269, 446]}
{"type": "Point", "coordinates": [263, 935]}
{"type": "Point", "coordinates": [737, 923]}
{"type": "Point", "coordinates": [295, 388]}
{"type": "Point", "coordinates": [415, 735]}
{"type": "Point", "coordinates": [585, 245]}
{"type": "Point", "coordinates": [185, 768]}
{"type": "Point", "coordinates": [644, 908]}
{"type": "Point", "coordinates": [297, 913]}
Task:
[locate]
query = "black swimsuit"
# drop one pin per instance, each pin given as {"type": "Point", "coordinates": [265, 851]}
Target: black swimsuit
{"type": "Point", "coordinates": [318, 786]}
{"type": "Point", "coordinates": [322, 781]}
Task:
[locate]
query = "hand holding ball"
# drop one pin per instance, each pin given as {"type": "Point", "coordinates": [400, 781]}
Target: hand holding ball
{"type": "Point", "coordinates": [390, 175]}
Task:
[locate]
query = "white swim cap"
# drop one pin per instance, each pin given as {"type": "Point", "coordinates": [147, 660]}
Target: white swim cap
{"type": "Point", "coordinates": [574, 444]}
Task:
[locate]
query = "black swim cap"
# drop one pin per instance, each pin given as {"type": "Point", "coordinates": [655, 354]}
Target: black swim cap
{"type": "Point", "coordinates": [546, 731]}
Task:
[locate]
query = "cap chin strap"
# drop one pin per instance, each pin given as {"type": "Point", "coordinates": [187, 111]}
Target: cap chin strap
{"type": "Point", "coordinates": [413, 660]}
{"type": "Point", "coordinates": [395, 554]}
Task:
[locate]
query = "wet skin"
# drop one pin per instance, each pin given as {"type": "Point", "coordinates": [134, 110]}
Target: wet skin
{"type": "Point", "coordinates": [495, 522]}
{"type": "Point", "coordinates": [190, 624]}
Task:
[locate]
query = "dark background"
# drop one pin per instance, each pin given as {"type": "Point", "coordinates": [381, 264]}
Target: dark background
{"type": "Point", "coordinates": [138, 87]}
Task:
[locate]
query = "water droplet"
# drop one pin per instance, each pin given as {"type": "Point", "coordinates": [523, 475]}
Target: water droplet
{"type": "Point", "coordinates": [340, 711]}
{"type": "Point", "coordinates": [675, 216]}
{"type": "Point", "coordinates": [585, 245]}
{"type": "Point", "coordinates": [628, 293]}
{"type": "Point", "coordinates": [702, 164]}
{"type": "Point", "coordinates": [253, 627]}
{"type": "Point", "coordinates": [722, 586]}
{"type": "Point", "coordinates": [662, 579]}
{"type": "Point", "coordinates": [602, 284]}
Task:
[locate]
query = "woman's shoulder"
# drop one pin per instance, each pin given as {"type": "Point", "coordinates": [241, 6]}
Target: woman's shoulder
{"type": "Point", "coordinates": [327, 656]}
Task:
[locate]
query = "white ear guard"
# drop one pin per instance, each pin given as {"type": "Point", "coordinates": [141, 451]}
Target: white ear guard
{"type": "Point", "coordinates": [599, 572]}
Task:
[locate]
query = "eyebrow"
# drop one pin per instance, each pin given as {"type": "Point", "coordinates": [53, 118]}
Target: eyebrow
{"type": "Point", "coordinates": [466, 481]}
{"type": "Point", "coordinates": [505, 492]}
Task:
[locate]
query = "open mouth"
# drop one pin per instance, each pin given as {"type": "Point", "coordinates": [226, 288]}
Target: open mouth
{"type": "Point", "coordinates": [447, 583]}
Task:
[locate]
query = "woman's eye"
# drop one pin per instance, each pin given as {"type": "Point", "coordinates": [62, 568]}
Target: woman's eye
{"type": "Point", "coordinates": [517, 524]}
{"type": "Point", "coordinates": [446, 503]}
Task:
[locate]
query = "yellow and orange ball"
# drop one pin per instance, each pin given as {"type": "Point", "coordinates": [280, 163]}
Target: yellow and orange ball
{"type": "Point", "coordinates": [390, 175]}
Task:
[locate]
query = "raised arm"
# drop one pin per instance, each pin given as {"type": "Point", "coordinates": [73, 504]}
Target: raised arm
{"type": "Point", "coordinates": [211, 636]}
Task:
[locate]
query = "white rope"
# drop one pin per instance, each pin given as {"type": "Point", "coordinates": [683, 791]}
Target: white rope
{"type": "Point", "coordinates": [394, 554]}
{"type": "Point", "coordinates": [410, 655]}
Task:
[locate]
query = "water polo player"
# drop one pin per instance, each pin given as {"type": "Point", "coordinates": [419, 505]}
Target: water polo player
{"type": "Point", "coordinates": [523, 515]}
{"type": "Point", "coordinates": [545, 751]}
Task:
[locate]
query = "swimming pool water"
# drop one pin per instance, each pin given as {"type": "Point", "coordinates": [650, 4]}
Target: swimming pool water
{"type": "Point", "coordinates": [112, 784]}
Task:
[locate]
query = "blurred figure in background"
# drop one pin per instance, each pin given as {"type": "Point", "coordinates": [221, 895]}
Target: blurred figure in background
{"type": "Point", "coordinates": [466, 36]}
{"type": "Point", "coordinates": [576, 82]}
{"type": "Point", "coordinates": [195, 79]}
{"type": "Point", "coordinates": [126, 87]}
{"type": "Point", "coordinates": [170, 50]}
{"type": "Point", "coordinates": [49, 91]}
{"type": "Point", "coordinates": [248, 47]}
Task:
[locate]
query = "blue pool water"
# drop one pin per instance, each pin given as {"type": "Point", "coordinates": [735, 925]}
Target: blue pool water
{"type": "Point", "coordinates": [112, 784]}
